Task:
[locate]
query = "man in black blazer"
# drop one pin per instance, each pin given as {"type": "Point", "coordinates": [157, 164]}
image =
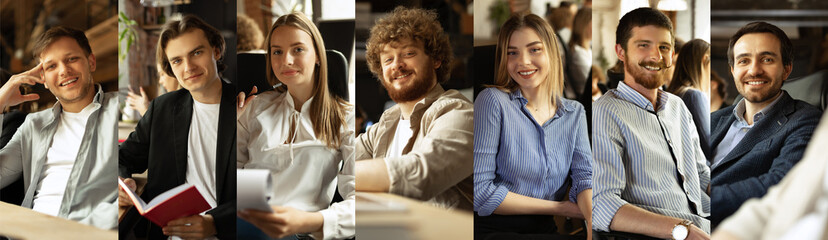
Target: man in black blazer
{"type": "Point", "coordinates": [759, 139]}
{"type": "Point", "coordinates": [186, 136]}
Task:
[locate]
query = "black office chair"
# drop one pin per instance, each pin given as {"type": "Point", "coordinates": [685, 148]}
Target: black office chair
{"type": "Point", "coordinates": [484, 68]}
{"type": "Point", "coordinates": [812, 89]}
{"type": "Point", "coordinates": [252, 73]}
{"type": "Point", "coordinates": [13, 193]}
{"type": "Point", "coordinates": [337, 74]}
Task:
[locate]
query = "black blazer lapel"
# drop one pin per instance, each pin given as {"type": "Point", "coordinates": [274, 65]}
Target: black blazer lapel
{"type": "Point", "coordinates": [226, 146]}
{"type": "Point", "coordinates": [183, 112]}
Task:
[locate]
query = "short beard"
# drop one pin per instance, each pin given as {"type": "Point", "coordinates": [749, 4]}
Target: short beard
{"type": "Point", "coordinates": [417, 90]}
{"type": "Point", "coordinates": [648, 81]}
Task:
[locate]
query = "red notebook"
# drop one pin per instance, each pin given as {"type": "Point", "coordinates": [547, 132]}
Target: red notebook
{"type": "Point", "coordinates": [181, 201]}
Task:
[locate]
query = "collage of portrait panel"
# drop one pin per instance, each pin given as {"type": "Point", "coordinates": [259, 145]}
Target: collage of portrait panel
{"type": "Point", "coordinates": [454, 119]}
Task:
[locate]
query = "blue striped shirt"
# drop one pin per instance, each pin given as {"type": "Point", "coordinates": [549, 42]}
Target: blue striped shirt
{"type": "Point", "coordinates": [634, 147]}
{"type": "Point", "coordinates": [512, 153]}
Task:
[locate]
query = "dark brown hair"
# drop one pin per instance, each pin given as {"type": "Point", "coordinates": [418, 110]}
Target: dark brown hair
{"type": "Point", "coordinates": [638, 18]}
{"type": "Point", "coordinates": [187, 23]}
{"type": "Point", "coordinates": [55, 33]}
{"type": "Point", "coordinates": [785, 48]}
{"type": "Point", "coordinates": [689, 66]}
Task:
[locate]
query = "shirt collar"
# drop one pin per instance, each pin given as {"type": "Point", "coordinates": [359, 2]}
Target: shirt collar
{"type": "Point", "coordinates": [291, 104]}
{"type": "Point", "coordinates": [562, 105]}
{"type": "Point", "coordinates": [629, 94]}
{"type": "Point", "coordinates": [57, 109]}
{"type": "Point", "coordinates": [739, 110]}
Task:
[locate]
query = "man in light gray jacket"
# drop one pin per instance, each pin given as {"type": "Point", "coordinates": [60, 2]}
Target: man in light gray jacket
{"type": "Point", "coordinates": [67, 154]}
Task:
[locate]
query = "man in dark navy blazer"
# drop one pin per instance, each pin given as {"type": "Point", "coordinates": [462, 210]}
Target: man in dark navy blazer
{"type": "Point", "coordinates": [759, 139]}
{"type": "Point", "coordinates": [186, 136]}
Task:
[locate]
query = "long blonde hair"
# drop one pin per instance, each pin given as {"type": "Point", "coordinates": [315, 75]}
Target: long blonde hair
{"type": "Point", "coordinates": [327, 111]}
{"type": "Point", "coordinates": [554, 80]}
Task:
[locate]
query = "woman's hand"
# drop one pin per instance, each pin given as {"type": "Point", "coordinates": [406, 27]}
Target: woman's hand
{"type": "Point", "coordinates": [243, 101]}
{"type": "Point", "coordinates": [283, 221]}
{"type": "Point", "coordinates": [138, 102]}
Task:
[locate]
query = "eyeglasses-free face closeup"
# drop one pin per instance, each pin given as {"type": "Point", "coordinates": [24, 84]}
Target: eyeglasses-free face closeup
{"type": "Point", "coordinates": [293, 56]}
{"type": "Point", "coordinates": [527, 60]}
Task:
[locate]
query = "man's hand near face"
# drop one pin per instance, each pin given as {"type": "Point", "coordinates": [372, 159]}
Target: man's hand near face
{"type": "Point", "coordinates": [10, 92]}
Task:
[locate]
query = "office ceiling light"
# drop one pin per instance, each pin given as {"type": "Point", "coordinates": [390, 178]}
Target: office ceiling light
{"type": "Point", "coordinates": [672, 5]}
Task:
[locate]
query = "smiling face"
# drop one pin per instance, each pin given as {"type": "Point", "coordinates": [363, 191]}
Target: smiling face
{"type": "Point", "coordinates": [193, 61]}
{"type": "Point", "coordinates": [407, 71]}
{"type": "Point", "coordinates": [649, 53]}
{"type": "Point", "coordinates": [67, 71]}
{"type": "Point", "coordinates": [527, 60]}
{"type": "Point", "coordinates": [293, 56]}
{"type": "Point", "coordinates": [758, 71]}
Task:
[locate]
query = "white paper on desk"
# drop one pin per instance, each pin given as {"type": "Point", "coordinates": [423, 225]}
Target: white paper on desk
{"type": "Point", "coordinates": [254, 189]}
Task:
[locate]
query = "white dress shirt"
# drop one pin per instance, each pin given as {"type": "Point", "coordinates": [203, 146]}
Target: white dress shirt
{"type": "Point", "coordinates": [304, 170]}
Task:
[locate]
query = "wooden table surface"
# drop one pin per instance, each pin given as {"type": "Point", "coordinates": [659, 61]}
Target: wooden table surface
{"type": "Point", "coordinates": [418, 221]}
{"type": "Point", "coordinates": [22, 223]}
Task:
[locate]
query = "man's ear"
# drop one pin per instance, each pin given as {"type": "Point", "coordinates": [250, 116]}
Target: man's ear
{"type": "Point", "coordinates": [788, 69]}
{"type": "Point", "coordinates": [216, 54]}
{"type": "Point", "coordinates": [437, 64]}
{"type": "Point", "coordinates": [619, 51]}
{"type": "Point", "coordinates": [93, 64]}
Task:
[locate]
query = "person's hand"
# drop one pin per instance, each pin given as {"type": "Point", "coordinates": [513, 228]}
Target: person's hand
{"type": "Point", "coordinates": [695, 233]}
{"type": "Point", "coordinates": [191, 227]}
{"type": "Point", "coordinates": [10, 92]}
{"type": "Point", "coordinates": [138, 102]}
{"type": "Point", "coordinates": [123, 197]}
{"type": "Point", "coordinates": [243, 101]}
{"type": "Point", "coordinates": [283, 221]}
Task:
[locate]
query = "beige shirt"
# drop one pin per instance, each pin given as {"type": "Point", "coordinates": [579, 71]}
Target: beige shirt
{"type": "Point", "coordinates": [436, 165]}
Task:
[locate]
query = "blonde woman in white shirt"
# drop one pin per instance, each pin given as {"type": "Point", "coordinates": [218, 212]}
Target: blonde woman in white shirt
{"type": "Point", "coordinates": [303, 134]}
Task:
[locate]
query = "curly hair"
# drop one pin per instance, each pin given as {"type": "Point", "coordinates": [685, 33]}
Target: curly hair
{"type": "Point", "coordinates": [250, 36]}
{"type": "Point", "coordinates": [414, 24]}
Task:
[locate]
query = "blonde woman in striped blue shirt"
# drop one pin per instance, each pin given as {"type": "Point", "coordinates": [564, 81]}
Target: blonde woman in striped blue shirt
{"type": "Point", "coordinates": [530, 144]}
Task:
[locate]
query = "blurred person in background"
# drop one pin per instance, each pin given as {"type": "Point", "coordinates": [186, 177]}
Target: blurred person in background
{"type": "Point", "coordinates": [691, 74]}
{"type": "Point", "coordinates": [718, 92]}
{"type": "Point", "coordinates": [580, 50]}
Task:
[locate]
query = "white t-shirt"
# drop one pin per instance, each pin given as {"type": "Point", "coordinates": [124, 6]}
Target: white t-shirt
{"type": "Point", "coordinates": [201, 150]}
{"type": "Point", "coordinates": [59, 160]}
{"type": "Point", "coordinates": [401, 137]}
